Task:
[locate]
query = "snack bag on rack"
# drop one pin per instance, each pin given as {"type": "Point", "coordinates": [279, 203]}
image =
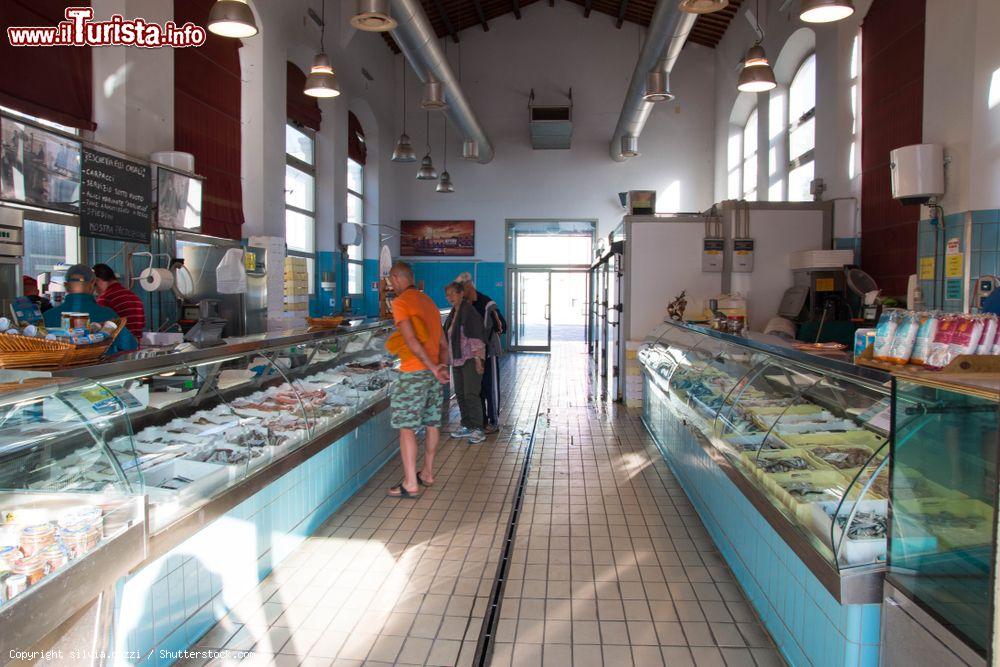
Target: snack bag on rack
{"type": "Point", "coordinates": [906, 335]}
{"type": "Point", "coordinates": [885, 331]}
{"type": "Point", "coordinates": [925, 337]}
{"type": "Point", "coordinates": [989, 335]}
{"type": "Point", "coordinates": [939, 354]}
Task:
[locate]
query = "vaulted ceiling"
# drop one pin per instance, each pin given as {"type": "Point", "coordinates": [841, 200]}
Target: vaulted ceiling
{"type": "Point", "coordinates": [451, 17]}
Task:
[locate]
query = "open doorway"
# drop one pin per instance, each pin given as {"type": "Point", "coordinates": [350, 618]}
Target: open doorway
{"type": "Point", "coordinates": [547, 263]}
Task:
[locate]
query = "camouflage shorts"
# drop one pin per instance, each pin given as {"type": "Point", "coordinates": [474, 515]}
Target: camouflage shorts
{"type": "Point", "coordinates": [416, 400]}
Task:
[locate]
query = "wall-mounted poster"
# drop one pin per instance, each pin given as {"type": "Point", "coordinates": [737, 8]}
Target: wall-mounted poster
{"type": "Point", "coordinates": [38, 167]}
{"type": "Point", "coordinates": [178, 200]}
{"type": "Point", "coordinates": [437, 238]}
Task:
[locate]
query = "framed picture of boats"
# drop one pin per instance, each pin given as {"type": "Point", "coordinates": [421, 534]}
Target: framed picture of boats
{"type": "Point", "coordinates": [437, 238]}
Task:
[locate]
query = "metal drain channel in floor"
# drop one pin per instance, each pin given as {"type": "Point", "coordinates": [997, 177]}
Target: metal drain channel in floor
{"type": "Point", "coordinates": [487, 636]}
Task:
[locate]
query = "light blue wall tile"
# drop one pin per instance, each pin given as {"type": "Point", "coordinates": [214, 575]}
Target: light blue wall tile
{"type": "Point", "coordinates": [977, 237]}
{"type": "Point", "coordinates": [986, 216]}
{"type": "Point", "coordinates": [871, 624]}
{"type": "Point", "coordinates": [987, 264]}
{"type": "Point", "coordinates": [990, 236]}
{"type": "Point", "coordinates": [852, 654]}
{"type": "Point", "coordinates": [869, 656]}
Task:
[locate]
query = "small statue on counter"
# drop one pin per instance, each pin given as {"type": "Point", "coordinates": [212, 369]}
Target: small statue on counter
{"type": "Point", "coordinates": [675, 309]}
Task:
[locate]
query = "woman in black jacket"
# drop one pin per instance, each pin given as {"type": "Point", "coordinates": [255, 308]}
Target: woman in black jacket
{"type": "Point", "coordinates": [467, 354]}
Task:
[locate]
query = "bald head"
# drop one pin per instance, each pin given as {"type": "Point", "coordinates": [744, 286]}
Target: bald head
{"type": "Point", "coordinates": [400, 276]}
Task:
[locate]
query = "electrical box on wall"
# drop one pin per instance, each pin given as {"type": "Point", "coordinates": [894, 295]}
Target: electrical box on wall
{"type": "Point", "coordinates": [712, 253]}
{"type": "Point", "coordinates": [743, 251]}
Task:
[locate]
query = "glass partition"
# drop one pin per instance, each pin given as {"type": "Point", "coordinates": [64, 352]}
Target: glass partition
{"type": "Point", "coordinates": [944, 498]}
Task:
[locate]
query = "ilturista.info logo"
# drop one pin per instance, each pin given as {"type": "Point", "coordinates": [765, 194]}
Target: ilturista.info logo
{"type": "Point", "coordinates": [80, 29]}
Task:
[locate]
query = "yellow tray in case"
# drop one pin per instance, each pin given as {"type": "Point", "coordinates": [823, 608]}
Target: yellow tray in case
{"type": "Point", "coordinates": [860, 438]}
{"type": "Point", "coordinates": [953, 536]}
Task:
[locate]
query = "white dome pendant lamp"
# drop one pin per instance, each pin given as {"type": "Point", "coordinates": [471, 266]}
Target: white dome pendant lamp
{"type": "Point", "coordinates": [232, 18]}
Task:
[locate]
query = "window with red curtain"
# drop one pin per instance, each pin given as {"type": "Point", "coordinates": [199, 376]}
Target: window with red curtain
{"type": "Point", "coordinates": [892, 102]}
{"type": "Point", "coordinates": [54, 83]}
{"type": "Point", "coordinates": [207, 119]}
{"type": "Point", "coordinates": [302, 109]}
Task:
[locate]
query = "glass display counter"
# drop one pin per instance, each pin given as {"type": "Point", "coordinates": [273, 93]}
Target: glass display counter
{"type": "Point", "coordinates": [181, 438]}
{"type": "Point", "coordinates": [942, 551]}
{"type": "Point", "coordinates": [72, 520]}
{"type": "Point", "coordinates": [785, 455]}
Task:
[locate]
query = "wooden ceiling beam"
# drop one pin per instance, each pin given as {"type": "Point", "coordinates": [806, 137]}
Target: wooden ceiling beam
{"type": "Point", "coordinates": [622, 8]}
{"type": "Point", "coordinates": [481, 15]}
{"type": "Point", "coordinates": [448, 26]}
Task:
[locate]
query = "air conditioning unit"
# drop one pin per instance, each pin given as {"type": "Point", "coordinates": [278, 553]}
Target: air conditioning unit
{"type": "Point", "coordinates": [550, 127]}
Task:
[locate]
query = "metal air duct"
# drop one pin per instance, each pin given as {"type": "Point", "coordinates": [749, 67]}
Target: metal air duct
{"type": "Point", "coordinates": [665, 38]}
{"type": "Point", "coordinates": [417, 41]}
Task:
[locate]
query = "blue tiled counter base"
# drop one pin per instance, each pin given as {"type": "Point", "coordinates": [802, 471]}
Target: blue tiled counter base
{"type": "Point", "coordinates": [807, 623]}
{"type": "Point", "coordinates": [168, 605]}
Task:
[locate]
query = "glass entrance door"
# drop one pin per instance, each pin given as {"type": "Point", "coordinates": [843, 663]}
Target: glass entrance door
{"type": "Point", "coordinates": [532, 310]}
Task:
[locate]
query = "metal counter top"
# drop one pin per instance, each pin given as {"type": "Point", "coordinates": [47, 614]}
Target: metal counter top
{"type": "Point", "coordinates": [146, 360]}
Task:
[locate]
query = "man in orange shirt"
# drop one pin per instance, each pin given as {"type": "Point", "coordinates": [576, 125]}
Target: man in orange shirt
{"type": "Point", "coordinates": [416, 396]}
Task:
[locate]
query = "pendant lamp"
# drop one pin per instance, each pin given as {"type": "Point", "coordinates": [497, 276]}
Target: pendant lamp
{"type": "Point", "coordinates": [404, 147]}
{"type": "Point", "coordinates": [757, 75]}
{"type": "Point", "coordinates": [630, 146]}
{"type": "Point", "coordinates": [373, 16]}
{"type": "Point", "coordinates": [702, 6]}
{"type": "Point", "coordinates": [433, 96]}
{"type": "Point", "coordinates": [232, 18]}
{"type": "Point", "coordinates": [427, 172]}
{"type": "Point", "coordinates": [444, 185]}
{"type": "Point", "coordinates": [470, 149]}
{"type": "Point", "coordinates": [657, 87]}
{"type": "Point", "coordinates": [322, 82]}
{"type": "Point", "coordinates": [825, 11]}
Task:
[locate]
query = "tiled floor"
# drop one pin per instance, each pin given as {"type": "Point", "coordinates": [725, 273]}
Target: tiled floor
{"type": "Point", "coordinates": [610, 565]}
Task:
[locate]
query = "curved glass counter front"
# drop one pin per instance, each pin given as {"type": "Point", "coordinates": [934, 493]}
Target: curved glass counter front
{"type": "Point", "coordinates": [806, 435]}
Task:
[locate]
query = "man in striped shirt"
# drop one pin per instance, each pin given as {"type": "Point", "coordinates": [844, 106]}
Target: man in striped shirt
{"type": "Point", "coordinates": [112, 294]}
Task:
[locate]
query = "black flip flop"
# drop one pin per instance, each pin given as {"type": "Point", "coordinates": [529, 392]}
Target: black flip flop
{"type": "Point", "coordinates": [403, 493]}
{"type": "Point", "coordinates": [421, 482]}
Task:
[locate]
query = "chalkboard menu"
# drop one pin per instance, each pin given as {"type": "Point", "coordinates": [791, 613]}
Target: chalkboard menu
{"type": "Point", "coordinates": [114, 198]}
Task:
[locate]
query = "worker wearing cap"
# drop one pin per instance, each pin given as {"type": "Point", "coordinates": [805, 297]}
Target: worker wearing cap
{"type": "Point", "coordinates": [79, 284]}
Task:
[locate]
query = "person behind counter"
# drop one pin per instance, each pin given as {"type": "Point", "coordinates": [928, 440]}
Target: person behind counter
{"type": "Point", "coordinates": [30, 286]}
{"type": "Point", "coordinates": [79, 284]}
{"type": "Point", "coordinates": [112, 294]}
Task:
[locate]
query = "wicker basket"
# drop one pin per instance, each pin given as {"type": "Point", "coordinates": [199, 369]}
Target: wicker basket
{"type": "Point", "coordinates": [38, 353]}
{"type": "Point", "coordinates": [331, 322]}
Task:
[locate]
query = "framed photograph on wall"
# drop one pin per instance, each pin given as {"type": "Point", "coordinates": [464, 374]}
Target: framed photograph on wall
{"type": "Point", "coordinates": [437, 238]}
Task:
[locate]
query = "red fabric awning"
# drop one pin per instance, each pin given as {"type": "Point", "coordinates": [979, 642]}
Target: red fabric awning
{"type": "Point", "coordinates": [301, 108]}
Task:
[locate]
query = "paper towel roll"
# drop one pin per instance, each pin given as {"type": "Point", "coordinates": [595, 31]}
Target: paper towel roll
{"type": "Point", "coordinates": [156, 280]}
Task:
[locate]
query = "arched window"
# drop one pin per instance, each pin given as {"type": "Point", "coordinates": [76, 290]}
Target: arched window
{"type": "Point", "coordinates": [802, 130]}
{"type": "Point", "coordinates": [357, 153]}
{"type": "Point", "coordinates": [854, 158]}
{"type": "Point", "coordinates": [749, 161]}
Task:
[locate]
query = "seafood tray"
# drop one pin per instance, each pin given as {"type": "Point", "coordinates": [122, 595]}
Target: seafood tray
{"type": "Point", "coordinates": [771, 462]}
{"type": "Point", "coordinates": [186, 479]}
{"type": "Point", "coordinates": [841, 457]}
{"type": "Point", "coordinates": [799, 490]}
{"type": "Point", "coordinates": [866, 537]}
{"type": "Point", "coordinates": [784, 428]}
{"type": "Point", "coordinates": [957, 524]}
{"type": "Point", "coordinates": [854, 437]}
{"type": "Point", "coordinates": [752, 442]}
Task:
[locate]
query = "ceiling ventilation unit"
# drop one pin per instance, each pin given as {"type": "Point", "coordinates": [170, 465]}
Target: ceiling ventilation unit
{"type": "Point", "coordinates": [551, 127]}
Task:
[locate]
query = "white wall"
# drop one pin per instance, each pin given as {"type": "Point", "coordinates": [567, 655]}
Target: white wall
{"type": "Point", "coordinates": [961, 77]}
{"type": "Point", "coordinates": [134, 104]}
{"type": "Point", "coordinates": [552, 49]}
{"type": "Point", "coordinates": [833, 102]}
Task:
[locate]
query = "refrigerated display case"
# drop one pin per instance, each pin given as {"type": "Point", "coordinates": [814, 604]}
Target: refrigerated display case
{"type": "Point", "coordinates": [785, 456]}
{"type": "Point", "coordinates": [940, 586]}
{"type": "Point", "coordinates": [177, 441]}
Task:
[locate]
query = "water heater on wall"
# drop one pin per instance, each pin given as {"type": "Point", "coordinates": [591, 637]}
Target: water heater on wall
{"type": "Point", "coordinates": [351, 233]}
{"type": "Point", "coordinates": [917, 173]}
